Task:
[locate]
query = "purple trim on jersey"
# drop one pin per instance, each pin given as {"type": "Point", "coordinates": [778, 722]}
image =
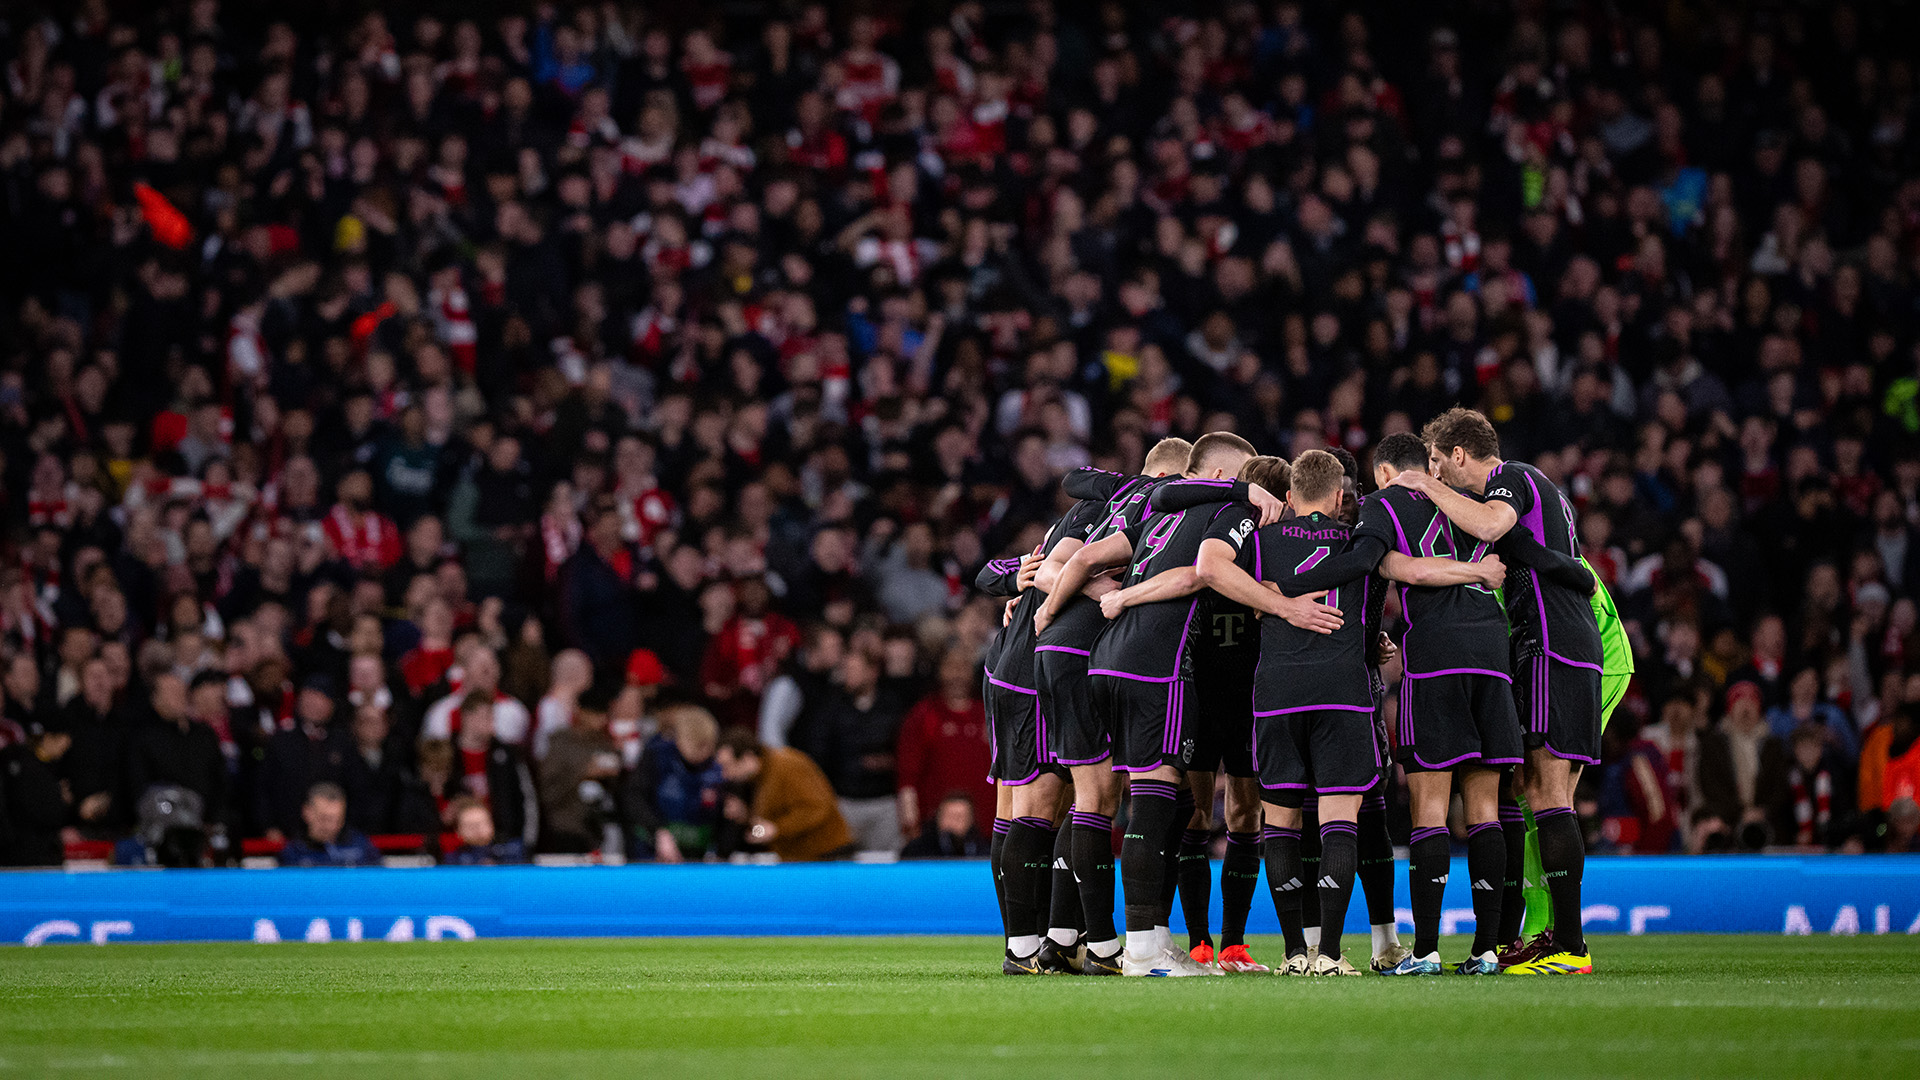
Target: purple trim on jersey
{"type": "Point", "coordinates": [1406, 610]}
{"type": "Point", "coordinates": [1316, 708]}
{"type": "Point", "coordinates": [1063, 648]}
{"type": "Point", "coordinates": [1005, 685]}
{"type": "Point", "coordinates": [1536, 524]}
{"type": "Point", "coordinates": [1501, 675]}
{"type": "Point", "coordinates": [1477, 829]}
{"type": "Point", "coordinates": [1135, 678]}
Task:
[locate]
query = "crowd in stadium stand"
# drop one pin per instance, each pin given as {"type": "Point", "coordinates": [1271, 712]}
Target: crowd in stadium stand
{"type": "Point", "coordinates": [534, 428]}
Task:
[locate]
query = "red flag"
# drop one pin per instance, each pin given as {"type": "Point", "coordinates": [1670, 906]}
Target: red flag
{"type": "Point", "coordinates": [168, 224]}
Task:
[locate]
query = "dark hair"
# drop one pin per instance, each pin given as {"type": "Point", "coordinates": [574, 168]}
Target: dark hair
{"type": "Point", "coordinates": [1402, 451]}
{"type": "Point", "coordinates": [1269, 472]}
{"type": "Point", "coordinates": [742, 743]}
{"type": "Point", "coordinates": [328, 790]}
{"type": "Point", "coordinates": [1468, 429]}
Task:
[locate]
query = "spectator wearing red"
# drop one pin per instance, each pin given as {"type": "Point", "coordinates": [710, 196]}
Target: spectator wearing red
{"type": "Point", "coordinates": [943, 745]}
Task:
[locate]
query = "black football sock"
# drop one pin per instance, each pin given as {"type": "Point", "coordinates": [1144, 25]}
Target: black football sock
{"type": "Point", "coordinates": [996, 861]}
{"type": "Point", "coordinates": [1143, 853]}
{"type": "Point", "coordinates": [1065, 913]}
{"type": "Point", "coordinates": [1339, 858]}
{"type": "Point", "coordinates": [1427, 858]}
{"type": "Point", "coordinates": [1170, 884]}
{"type": "Point", "coordinates": [1310, 870]}
{"type": "Point", "coordinates": [1486, 862]}
{"type": "Point", "coordinates": [1043, 882]}
{"type": "Point", "coordinates": [1027, 861]}
{"type": "Point", "coordinates": [1239, 877]}
{"type": "Point", "coordinates": [1376, 862]}
{"type": "Point", "coordinates": [1513, 898]}
{"type": "Point", "coordinates": [1281, 848]}
{"type": "Point", "coordinates": [1563, 862]}
{"type": "Point", "coordinates": [1196, 885]}
{"type": "Point", "coordinates": [1093, 867]}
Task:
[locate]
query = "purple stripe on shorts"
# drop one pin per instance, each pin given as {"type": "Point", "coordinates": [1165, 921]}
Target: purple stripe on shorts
{"type": "Point", "coordinates": [1004, 685]}
{"type": "Point", "coordinates": [1315, 708]}
{"type": "Point", "coordinates": [1130, 675]}
{"type": "Point", "coordinates": [1501, 675]}
{"type": "Point", "coordinates": [1063, 648]}
{"type": "Point", "coordinates": [1575, 663]}
{"type": "Point", "coordinates": [1368, 786]}
{"type": "Point", "coordinates": [1023, 781]}
{"type": "Point", "coordinates": [1570, 757]}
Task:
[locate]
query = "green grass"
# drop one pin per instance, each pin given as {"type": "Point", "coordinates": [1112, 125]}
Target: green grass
{"type": "Point", "coordinates": [791, 1008]}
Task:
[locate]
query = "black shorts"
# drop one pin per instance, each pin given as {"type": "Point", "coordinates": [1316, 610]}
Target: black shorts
{"type": "Point", "coordinates": [1223, 712]}
{"type": "Point", "coordinates": [1013, 722]}
{"type": "Point", "coordinates": [1458, 719]}
{"type": "Point", "coordinates": [1071, 732]}
{"type": "Point", "coordinates": [1332, 751]}
{"type": "Point", "coordinates": [1559, 706]}
{"type": "Point", "coordinates": [1149, 721]}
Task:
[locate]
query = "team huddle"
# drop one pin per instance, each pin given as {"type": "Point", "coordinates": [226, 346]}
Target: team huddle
{"type": "Point", "coordinates": [1223, 612]}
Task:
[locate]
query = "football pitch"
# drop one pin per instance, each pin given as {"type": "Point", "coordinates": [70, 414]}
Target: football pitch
{"type": "Point", "coordinates": [1665, 1005]}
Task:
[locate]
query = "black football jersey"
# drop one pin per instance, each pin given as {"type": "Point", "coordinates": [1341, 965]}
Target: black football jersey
{"type": "Point", "coordinates": [1300, 669]}
{"type": "Point", "coordinates": [1154, 641]}
{"type": "Point", "coordinates": [1452, 628]}
{"type": "Point", "coordinates": [1009, 655]}
{"type": "Point", "coordinates": [1546, 617]}
{"type": "Point", "coordinates": [1079, 621]}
